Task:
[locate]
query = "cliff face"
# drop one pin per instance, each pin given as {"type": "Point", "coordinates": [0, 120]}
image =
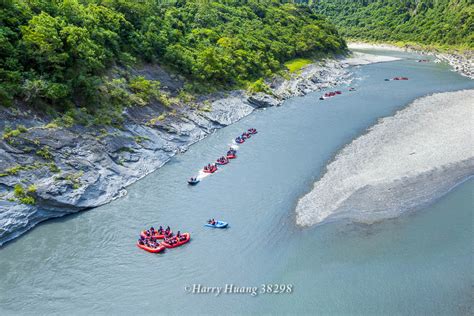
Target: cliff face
{"type": "Point", "coordinates": [72, 169]}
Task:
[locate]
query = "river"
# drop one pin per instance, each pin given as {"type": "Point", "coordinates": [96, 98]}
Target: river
{"type": "Point", "coordinates": [417, 263]}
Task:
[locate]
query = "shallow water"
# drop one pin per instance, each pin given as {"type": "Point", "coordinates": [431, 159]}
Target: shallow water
{"type": "Point", "coordinates": [418, 263]}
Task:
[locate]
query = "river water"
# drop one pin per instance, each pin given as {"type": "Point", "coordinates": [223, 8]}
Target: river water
{"type": "Point", "coordinates": [418, 263]}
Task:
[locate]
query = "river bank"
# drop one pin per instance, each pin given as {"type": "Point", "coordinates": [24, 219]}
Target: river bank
{"type": "Point", "coordinates": [400, 164]}
{"type": "Point", "coordinates": [66, 170]}
{"type": "Point", "coordinates": [461, 62]}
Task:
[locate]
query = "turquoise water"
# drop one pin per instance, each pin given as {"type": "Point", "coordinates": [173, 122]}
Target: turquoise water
{"type": "Point", "coordinates": [419, 263]}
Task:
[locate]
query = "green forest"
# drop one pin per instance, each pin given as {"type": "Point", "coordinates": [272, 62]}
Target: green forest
{"type": "Point", "coordinates": [73, 56]}
{"type": "Point", "coordinates": [57, 55]}
{"type": "Point", "coordinates": [441, 23]}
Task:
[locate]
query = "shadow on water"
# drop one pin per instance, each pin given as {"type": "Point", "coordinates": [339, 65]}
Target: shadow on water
{"type": "Point", "coordinates": [51, 221]}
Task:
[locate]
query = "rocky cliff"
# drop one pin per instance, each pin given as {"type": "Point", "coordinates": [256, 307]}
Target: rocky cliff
{"type": "Point", "coordinates": [66, 170]}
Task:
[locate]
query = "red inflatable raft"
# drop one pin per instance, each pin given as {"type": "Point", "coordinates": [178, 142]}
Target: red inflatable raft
{"type": "Point", "coordinates": [245, 136]}
{"type": "Point", "coordinates": [171, 244]}
{"type": "Point", "coordinates": [329, 94]}
{"type": "Point", "coordinates": [231, 156]}
{"type": "Point", "coordinates": [156, 235]}
{"type": "Point", "coordinates": [211, 170]}
{"type": "Point", "coordinates": [222, 161]}
{"type": "Point", "coordinates": [152, 249]}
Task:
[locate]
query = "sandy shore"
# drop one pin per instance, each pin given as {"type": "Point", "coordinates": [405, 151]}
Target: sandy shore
{"type": "Point", "coordinates": [461, 63]}
{"type": "Point", "coordinates": [358, 58]}
{"type": "Point", "coordinates": [402, 162]}
{"type": "Point", "coordinates": [361, 45]}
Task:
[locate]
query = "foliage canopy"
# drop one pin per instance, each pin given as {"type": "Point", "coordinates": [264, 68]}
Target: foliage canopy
{"type": "Point", "coordinates": [429, 22]}
{"type": "Point", "coordinates": [57, 53]}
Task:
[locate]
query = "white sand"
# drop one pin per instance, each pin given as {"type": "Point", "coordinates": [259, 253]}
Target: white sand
{"type": "Point", "coordinates": [358, 58]}
{"type": "Point", "coordinates": [361, 45]}
{"type": "Point", "coordinates": [402, 162]}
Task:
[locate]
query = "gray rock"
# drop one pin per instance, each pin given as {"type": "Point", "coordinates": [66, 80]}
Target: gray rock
{"type": "Point", "coordinates": [263, 100]}
{"type": "Point", "coordinates": [220, 113]}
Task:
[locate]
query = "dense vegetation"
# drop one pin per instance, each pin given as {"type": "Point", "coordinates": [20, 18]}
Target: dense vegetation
{"type": "Point", "coordinates": [429, 22]}
{"type": "Point", "coordinates": [58, 54]}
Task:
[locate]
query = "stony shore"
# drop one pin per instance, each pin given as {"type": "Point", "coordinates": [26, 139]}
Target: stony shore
{"type": "Point", "coordinates": [460, 62]}
{"type": "Point", "coordinates": [88, 167]}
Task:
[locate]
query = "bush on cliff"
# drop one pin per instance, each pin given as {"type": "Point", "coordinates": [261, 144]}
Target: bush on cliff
{"type": "Point", "coordinates": [23, 195]}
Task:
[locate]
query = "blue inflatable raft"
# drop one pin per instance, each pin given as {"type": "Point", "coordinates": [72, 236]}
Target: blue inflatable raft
{"type": "Point", "coordinates": [218, 224]}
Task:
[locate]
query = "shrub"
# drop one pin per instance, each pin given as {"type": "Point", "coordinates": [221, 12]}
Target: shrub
{"type": "Point", "coordinates": [25, 196]}
{"type": "Point", "coordinates": [72, 178]}
{"type": "Point", "coordinates": [259, 86]}
{"type": "Point", "coordinates": [8, 132]}
{"type": "Point", "coordinates": [52, 125]}
{"type": "Point", "coordinates": [157, 119]}
{"type": "Point", "coordinates": [45, 153]}
{"type": "Point", "coordinates": [207, 106]}
{"type": "Point", "coordinates": [140, 139]}
{"type": "Point", "coordinates": [295, 65]}
{"type": "Point", "coordinates": [31, 189]}
{"type": "Point", "coordinates": [14, 170]}
{"type": "Point", "coordinates": [28, 200]}
{"type": "Point", "coordinates": [185, 96]}
{"type": "Point", "coordinates": [144, 89]}
{"type": "Point", "coordinates": [18, 190]}
{"type": "Point", "coordinates": [165, 100]}
{"type": "Point", "coordinates": [22, 128]}
{"type": "Point", "coordinates": [53, 168]}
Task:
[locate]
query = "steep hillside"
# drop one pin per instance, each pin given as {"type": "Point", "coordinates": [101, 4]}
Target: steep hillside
{"type": "Point", "coordinates": [448, 23]}
{"type": "Point", "coordinates": [58, 55]}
